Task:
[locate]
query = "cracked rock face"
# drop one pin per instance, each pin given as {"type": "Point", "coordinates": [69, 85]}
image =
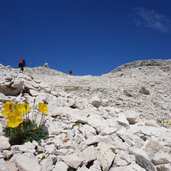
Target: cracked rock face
{"type": "Point", "coordinates": [95, 123]}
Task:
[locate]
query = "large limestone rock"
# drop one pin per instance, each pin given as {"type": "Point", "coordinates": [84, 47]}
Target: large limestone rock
{"type": "Point", "coordinates": [5, 166]}
{"type": "Point", "coordinates": [25, 163]}
{"type": "Point", "coordinates": [60, 166]}
{"type": "Point", "coordinates": [72, 160]}
{"type": "Point", "coordinates": [105, 157]}
{"type": "Point", "coordinates": [89, 154]}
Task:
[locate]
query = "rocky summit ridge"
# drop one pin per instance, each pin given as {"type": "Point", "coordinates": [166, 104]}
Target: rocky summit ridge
{"type": "Point", "coordinates": [119, 121]}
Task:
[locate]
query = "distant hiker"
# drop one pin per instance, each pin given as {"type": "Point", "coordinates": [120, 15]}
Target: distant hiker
{"type": "Point", "coordinates": [70, 72]}
{"type": "Point", "coordinates": [22, 64]}
{"type": "Point", "coordinates": [46, 65]}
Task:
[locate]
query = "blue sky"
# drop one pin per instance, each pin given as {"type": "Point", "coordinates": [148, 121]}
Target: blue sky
{"type": "Point", "coordinates": [89, 36]}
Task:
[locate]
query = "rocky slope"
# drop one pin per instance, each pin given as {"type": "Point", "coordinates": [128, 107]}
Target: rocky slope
{"type": "Point", "coordinates": [115, 122]}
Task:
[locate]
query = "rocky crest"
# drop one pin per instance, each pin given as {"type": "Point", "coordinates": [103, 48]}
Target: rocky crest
{"type": "Point", "coordinates": [115, 122]}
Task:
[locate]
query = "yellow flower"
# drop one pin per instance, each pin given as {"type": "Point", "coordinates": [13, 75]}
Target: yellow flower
{"type": "Point", "coordinates": [7, 104]}
{"type": "Point", "coordinates": [14, 122]}
{"type": "Point", "coordinates": [10, 109]}
{"type": "Point", "coordinates": [14, 115]}
{"type": "Point", "coordinates": [24, 107]}
{"type": "Point", "coordinates": [43, 108]}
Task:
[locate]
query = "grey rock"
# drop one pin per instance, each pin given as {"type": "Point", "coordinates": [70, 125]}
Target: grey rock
{"type": "Point", "coordinates": [144, 90]}
{"type": "Point", "coordinates": [95, 101]}
{"type": "Point", "coordinates": [144, 163]}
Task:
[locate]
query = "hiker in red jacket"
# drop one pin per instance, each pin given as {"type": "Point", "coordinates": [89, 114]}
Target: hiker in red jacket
{"type": "Point", "coordinates": [22, 64]}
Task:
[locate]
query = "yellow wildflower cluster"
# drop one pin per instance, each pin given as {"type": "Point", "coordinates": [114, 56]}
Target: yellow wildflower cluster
{"type": "Point", "coordinates": [15, 111]}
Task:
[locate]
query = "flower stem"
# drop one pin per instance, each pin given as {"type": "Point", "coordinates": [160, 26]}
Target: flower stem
{"type": "Point", "coordinates": [41, 121]}
{"type": "Point", "coordinates": [33, 110]}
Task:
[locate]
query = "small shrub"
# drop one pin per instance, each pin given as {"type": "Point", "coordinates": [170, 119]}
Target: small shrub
{"type": "Point", "coordinates": [20, 127]}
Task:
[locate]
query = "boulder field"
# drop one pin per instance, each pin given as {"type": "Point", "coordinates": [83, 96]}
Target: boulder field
{"type": "Point", "coordinates": [119, 121]}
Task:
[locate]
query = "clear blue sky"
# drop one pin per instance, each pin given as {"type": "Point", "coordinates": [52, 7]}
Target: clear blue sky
{"type": "Point", "coordinates": [88, 36]}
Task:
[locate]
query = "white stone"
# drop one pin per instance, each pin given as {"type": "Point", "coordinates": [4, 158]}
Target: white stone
{"type": "Point", "coordinates": [47, 165]}
{"type": "Point", "coordinates": [4, 143]}
{"type": "Point", "coordinates": [152, 147]}
{"type": "Point", "coordinates": [61, 152]}
{"type": "Point", "coordinates": [7, 154]}
{"type": "Point", "coordinates": [108, 130]}
{"type": "Point", "coordinates": [122, 159]}
{"type": "Point", "coordinates": [54, 128]}
{"type": "Point", "coordinates": [25, 163]}
{"type": "Point", "coordinates": [72, 160]}
{"type": "Point", "coordinates": [89, 154]}
{"type": "Point", "coordinates": [7, 166]}
{"type": "Point", "coordinates": [60, 166]}
{"type": "Point", "coordinates": [151, 123]}
{"type": "Point", "coordinates": [83, 169]}
{"type": "Point", "coordinates": [96, 166]}
{"type": "Point", "coordinates": [105, 157]}
{"type": "Point", "coordinates": [131, 116]}
{"type": "Point", "coordinates": [1, 156]}
{"type": "Point", "coordinates": [50, 148]}
{"type": "Point", "coordinates": [34, 92]}
{"type": "Point", "coordinates": [132, 167]}
{"type": "Point", "coordinates": [122, 120]}
{"type": "Point", "coordinates": [164, 167]}
{"type": "Point", "coordinates": [3, 98]}
{"type": "Point", "coordinates": [17, 83]}
{"type": "Point", "coordinates": [26, 147]}
{"type": "Point", "coordinates": [96, 121]}
{"type": "Point", "coordinates": [87, 130]}
{"type": "Point", "coordinates": [161, 158]}
{"type": "Point", "coordinates": [93, 140]}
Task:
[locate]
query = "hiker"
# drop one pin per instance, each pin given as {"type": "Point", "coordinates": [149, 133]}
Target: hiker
{"type": "Point", "coordinates": [46, 65]}
{"type": "Point", "coordinates": [70, 72]}
{"type": "Point", "coordinates": [22, 64]}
